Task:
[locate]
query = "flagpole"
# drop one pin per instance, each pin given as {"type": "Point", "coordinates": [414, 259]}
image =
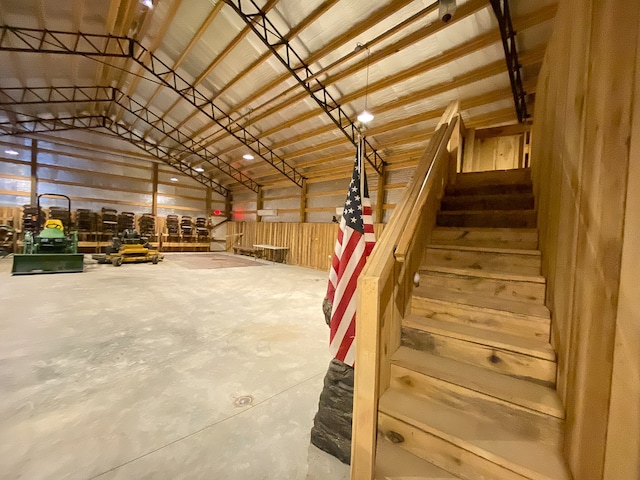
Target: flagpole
{"type": "Point", "coordinates": [360, 164]}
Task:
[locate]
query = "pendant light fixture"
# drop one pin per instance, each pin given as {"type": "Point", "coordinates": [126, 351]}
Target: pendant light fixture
{"type": "Point", "coordinates": [365, 116]}
{"type": "Point", "coordinates": [248, 155]}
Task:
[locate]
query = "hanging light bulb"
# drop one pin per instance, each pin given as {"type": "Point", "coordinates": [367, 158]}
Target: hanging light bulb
{"type": "Point", "coordinates": [366, 116]}
{"type": "Point", "coordinates": [247, 156]}
{"type": "Point", "coordinates": [199, 169]}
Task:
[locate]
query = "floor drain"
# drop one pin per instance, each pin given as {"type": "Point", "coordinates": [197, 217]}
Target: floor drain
{"type": "Point", "coordinates": [243, 401]}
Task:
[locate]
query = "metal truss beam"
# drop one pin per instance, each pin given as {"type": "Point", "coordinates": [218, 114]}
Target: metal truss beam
{"type": "Point", "coordinates": [28, 96]}
{"type": "Point", "coordinates": [48, 41]}
{"type": "Point", "coordinates": [163, 153]}
{"type": "Point", "coordinates": [166, 75]}
{"type": "Point", "coordinates": [141, 112]}
{"type": "Point", "coordinates": [278, 44]}
{"type": "Point", "coordinates": [41, 95]}
{"type": "Point", "coordinates": [38, 125]}
{"type": "Point", "coordinates": [501, 10]}
{"type": "Point", "coordinates": [53, 41]}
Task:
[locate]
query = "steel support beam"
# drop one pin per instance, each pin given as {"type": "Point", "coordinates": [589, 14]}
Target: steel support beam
{"type": "Point", "coordinates": [77, 43]}
{"type": "Point", "coordinates": [189, 145]}
{"type": "Point", "coordinates": [29, 96]}
{"type": "Point", "coordinates": [41, 95]}
{"type": "Point", "coordinates": [163, 153]}
{"type": "Point", "coordinates": [37, 125]}
{"type": "Point", "coordinates": [508, 34]}
{"type": "Point", "coordinates": [15, 39]}
{"type": "Point", "coordinates": [278, 44]}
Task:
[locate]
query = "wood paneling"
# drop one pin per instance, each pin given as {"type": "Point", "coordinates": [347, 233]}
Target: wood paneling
{"type": "Point", "coordinates": [622, 460]}
{"type": "Point", "coordinates": [580, 163]}
{"type": "Point", "coordinates": [310, 244]}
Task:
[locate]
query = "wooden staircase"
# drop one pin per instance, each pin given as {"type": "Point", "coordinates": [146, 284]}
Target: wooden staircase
{"type": "Point", "coordinates": [472, 386]}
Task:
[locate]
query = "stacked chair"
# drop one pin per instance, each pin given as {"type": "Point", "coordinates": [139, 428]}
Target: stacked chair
{"type": "Point", "coordinates": [186, 227]}
{"type": "Point", "coordinates": [147, 224]}
{"type": "Point", "coordinates": [126, 221]}
{"type": "Point", "coordinates": [86, 220]}
{"type": "Point", "coordinates": [173, 226]}
{"type": "Point", "coordinates": [201, 228]}
{"type": "Point", "coordinates": [109, 220]}
{"type": "Point", "coordinates": [30, 219]}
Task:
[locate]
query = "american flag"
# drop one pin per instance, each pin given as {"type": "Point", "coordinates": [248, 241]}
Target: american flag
{"type": "Point", "coordinates": [353, 246]}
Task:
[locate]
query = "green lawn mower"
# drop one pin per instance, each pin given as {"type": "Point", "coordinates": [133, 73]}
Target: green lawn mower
{"type": "Point", "coordinates": [53, 250]}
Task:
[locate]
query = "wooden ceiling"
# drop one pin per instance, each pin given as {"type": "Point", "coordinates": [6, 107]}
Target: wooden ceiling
{"type": "Point", "coordinates": [396, 56]}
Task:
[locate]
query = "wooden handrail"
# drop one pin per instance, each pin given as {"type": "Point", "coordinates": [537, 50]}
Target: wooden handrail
{"type": "Point", "coordinates": [384, 287]}
{"type": "Point", "coordinates": [408, 233]}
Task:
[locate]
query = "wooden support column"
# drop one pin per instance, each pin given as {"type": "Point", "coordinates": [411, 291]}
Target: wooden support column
{"type": "Point", "coordinates": [207, 202]}
{"type": "Point", "coordinates": [469, 146]}
{"type": "Point", "coordinates": [154, 194]}
{"type": "Point", "coordinates": [259, 197]}
{"type": "Point", "coordinates": [227, 206]}
{"type": "Point", "coordinates": [34, 171]}
{"type": "Point", "coordinates": [380, 195]}
{"type": "Point", "coordinates": [303, 202]}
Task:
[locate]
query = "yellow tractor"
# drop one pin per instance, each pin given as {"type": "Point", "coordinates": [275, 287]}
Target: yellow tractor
{"type": "Point", "coordinates": [130, 247]}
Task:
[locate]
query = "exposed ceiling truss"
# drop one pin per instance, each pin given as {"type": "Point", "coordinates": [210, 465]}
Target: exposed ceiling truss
{"type": "Point", "coordinates": [44, 95]}
{"type": "Point", "coordinates": [29, 40]}
{"type": "Point", "coordinates": [162, 153]}
{"type": "Point", "coordinates": [210, 81]}
{"type": "Point", "coordinates": [280, 47]}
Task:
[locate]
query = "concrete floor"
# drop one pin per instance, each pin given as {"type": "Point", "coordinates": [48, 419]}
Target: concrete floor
{"type": "Point", "coordinates": [168, 371]}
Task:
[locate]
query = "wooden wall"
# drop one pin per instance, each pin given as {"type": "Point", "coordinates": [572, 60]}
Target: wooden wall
{"type": "Point", "coordinates": [499, 148]}
{"type": "Point", "coordinates": [317, 201]}
{"type": "Point", "coordinates": [310, 244]}
{"type": "Point", "coordinates": [581, 168]}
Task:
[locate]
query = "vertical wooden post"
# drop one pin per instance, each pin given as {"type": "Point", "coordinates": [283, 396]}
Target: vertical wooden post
{"type": "Point", "coordinates": [259, 197]}
{"type": "Point", "coordinates": [380, 195]}
{"type": "Point", "coordinates": [303, 202]}
{"type": "Point", "coordinates": [207, 202]}
{"type": "Point", "coordinates": [227, 206]}
{"type": "Point", "coordinates": [34, 171]}
{"type": "Point", "coordinates": [470, 142]}
{"type": "Point", "coordinates": [154, 193]}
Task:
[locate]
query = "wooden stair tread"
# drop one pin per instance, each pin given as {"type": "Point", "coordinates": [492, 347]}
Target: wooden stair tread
{"type": "Point", "coordinates": [513, 390]}
{"type": "Point", "coordinates": [487, 439]}
{"type": "Point", "coordinates": [468, 248]}
{"type": "Point", "coordinates": [492, 175]}
{"type": "Point", "coordinates": [520, 211]}
{"type": "Point", "coordinates": [531, 231]}
{"type": "Point", "coordinates": [484, 302]}
{"type": "Point", "coordinates": [527, 346]}
{"type": "Point", "coordinates": [395, 463]}
{"type": "Point", "coordinates": [489, 201]}
{"type": "Point", "coordinates": [470, 272]}
{"type": "Point", "coordinates": [484, 236]}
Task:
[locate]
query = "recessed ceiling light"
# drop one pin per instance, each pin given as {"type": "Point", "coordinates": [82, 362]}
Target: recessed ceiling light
{"type": "Point", "coordinates": [11, 151]}
{"type": "Point", "coordinates": [247, 156]}
{"type": "Point", "coordinates": [365, 117]}
{"type": "Point", "coordinates": [173, 179]}
{"type": "Point", "coordinates": [199, 169]}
